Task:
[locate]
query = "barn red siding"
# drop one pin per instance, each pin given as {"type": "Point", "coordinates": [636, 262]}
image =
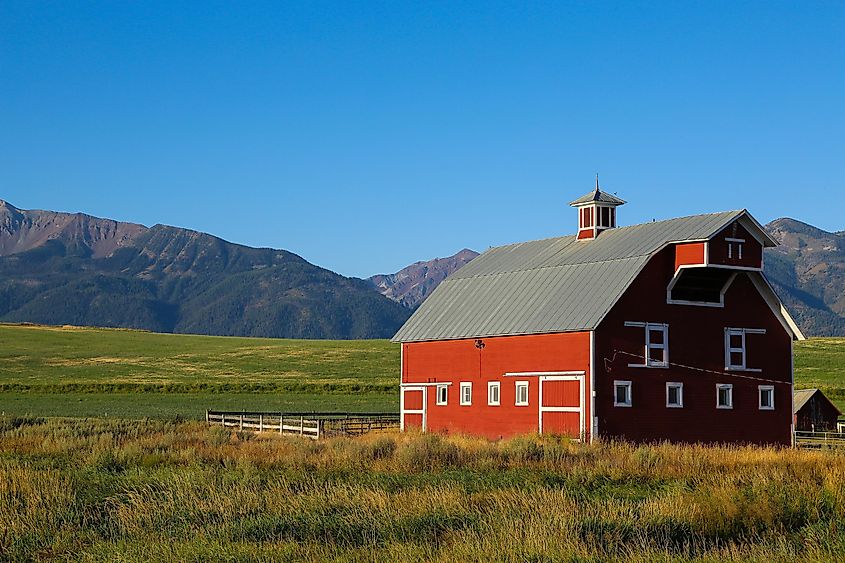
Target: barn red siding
{"type": "Point", "coordinates": [752, 251]}
{"type": "Point", "coordinates": [689, 253]}
{"type": "Point", "coordinates": [455, 361]}
{"type": "Point", "coordinates": [696, 340]}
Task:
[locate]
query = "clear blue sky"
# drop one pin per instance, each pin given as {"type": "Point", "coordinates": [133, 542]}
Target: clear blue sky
{"type": "Point", "coordinates": [365, 136]}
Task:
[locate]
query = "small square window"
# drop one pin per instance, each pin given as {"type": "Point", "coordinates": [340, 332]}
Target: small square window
{"type": "Point", "coordinates": [466, 393]}
{"type": "Point", "coordinates": [767, 397]}
{"type": "Point", "coordinates": [521, 393]}
{"type": "Point", "coordinates": [724, 396]}
{"type": "Point", "coordinates": [493, 393]}
{"type": "Point", "coordinates": [621, 393]}
{"type": "Point", "coordinates": [442, 394]}
{"type": "Point", "coordinates": [675, 395]}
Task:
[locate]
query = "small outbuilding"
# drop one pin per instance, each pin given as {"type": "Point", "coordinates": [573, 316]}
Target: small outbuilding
{"type": "Point", "coordinates": [813, 411]}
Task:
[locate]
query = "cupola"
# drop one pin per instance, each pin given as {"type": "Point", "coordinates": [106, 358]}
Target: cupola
{"type": "Point", "coordinates": [596, 212]}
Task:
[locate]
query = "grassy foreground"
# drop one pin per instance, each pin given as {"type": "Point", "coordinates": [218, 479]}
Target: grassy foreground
{"type": "Point", "coordinates": [110, 490]}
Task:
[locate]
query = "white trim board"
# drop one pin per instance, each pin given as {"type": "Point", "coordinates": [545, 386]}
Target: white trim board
{"type": "Point", "coordinates": [542, 373]}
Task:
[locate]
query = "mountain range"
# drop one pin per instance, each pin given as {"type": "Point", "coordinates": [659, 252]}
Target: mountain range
{"type": "Point", "coordinates": [62, 268]}
{"type": "Point", "coordinates": [412, 284]}
{"type": "Point", "coordinates": [72, 268]}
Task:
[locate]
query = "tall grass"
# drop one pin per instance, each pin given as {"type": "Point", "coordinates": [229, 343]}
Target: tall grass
{"type": "Point", "coordinates": [101, 490]}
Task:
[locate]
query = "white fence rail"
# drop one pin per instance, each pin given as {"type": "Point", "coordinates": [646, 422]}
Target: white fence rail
{"type": "Point", "coordinates": [819, 439]}
{"type": "Point", "coordinates": [310, 425]}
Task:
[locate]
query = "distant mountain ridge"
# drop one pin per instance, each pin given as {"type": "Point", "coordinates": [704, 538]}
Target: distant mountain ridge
{"type": "Point", "coordinates": [62, 268]}
{"type": "Point", "coordinates": [412, 284]}
{"type": "Point", "coordinates": [808, 272]}
{"type": "Point", "coordinates": [73, 268]}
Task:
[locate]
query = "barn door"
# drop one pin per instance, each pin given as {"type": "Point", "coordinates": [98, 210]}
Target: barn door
{"type": "Point", "coordinates": [562, 405]}
{"type": "Point", "coordinates": [413, 407]}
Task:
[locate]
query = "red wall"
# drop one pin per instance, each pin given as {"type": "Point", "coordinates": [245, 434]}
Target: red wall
{"type": "Point", "coordinates": [689, 253]}
{"type": "Point", "coordinates": [459, 360]}
{"type": "Point", "coordinates": [752, 251]}
{"type": "Point", "coordinates": [696, 339]}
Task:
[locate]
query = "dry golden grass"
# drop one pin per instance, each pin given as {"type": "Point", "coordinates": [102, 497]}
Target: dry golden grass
{"type": "Point", "coordinates": [134, 491]}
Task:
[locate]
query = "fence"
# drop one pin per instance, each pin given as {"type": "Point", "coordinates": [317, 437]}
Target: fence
{"type": "Point", "coordinates": [819, 439]}
{"type": "Point", "coordinates": [312, 425]}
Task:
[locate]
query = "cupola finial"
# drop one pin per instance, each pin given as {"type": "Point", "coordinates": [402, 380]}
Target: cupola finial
{"type": "Point", "coordinates": [597, 181]}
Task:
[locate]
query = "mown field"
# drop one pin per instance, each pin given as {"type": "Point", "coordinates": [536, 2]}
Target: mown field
{"type": "Point", "coordinates": [121, 490]}
{"type": "Point", "coordinates": [71, 371]}
{"type": "Point", "coordinates": [55, 371]}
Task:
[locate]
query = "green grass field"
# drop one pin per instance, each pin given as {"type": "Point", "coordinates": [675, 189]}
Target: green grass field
{"type": "Point", "coordinates": [69, 371]}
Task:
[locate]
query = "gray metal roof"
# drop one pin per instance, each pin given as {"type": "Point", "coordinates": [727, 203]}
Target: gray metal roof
{"type": "Point", "coordinates": [598, 196]}
{"type": "Point", "coordinates": [551, 285]}
{"type": "Point", "coordinates": [801, 397]}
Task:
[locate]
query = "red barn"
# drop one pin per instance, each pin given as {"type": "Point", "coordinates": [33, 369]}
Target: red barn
{"type": "Point", "coordinates": [660, 331]}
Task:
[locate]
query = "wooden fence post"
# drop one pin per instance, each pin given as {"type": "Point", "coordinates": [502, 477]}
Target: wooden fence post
{"type": "Point", "coordinates": [281, 423]}
{"type": "Point", "coordinates": [301, 425]}
{"type": "Point", "coordinates": [206, 416]}
{"type": "Point", "coordinates": [242, 422]}
{"type": "Point", "coordinates": [261, 423]}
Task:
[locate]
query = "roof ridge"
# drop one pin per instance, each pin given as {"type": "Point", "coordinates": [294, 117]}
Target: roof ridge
{"type": "Point", "coordinates": [570, 265]}
{"type": "Point", "coordinates": [734, 211]}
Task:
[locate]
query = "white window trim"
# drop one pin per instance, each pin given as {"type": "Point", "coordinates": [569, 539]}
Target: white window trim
{"type": "Point", "coordinates": [741, 332]}
{"type": "Point", "coordinates": [445, 390]}
{"type": "Point", "coordinates": [760, 389]}
{"type": "Point", "coordinates": [619, 383]}
{"type": "Point", "coordinates": [680, 387]}
{"type": "Point", "coordinates": [466, 385]}
{"type": "Point", "coordinates": [498, 387]}
{"type": "Point", "coordinates": [730, 388]}
{"type": "Point", "coordinates": [517, 386]}
{"type": "Point", "coordinates": [647, 361]}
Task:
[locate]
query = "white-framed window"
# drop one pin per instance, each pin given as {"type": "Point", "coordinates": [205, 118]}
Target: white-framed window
{"type": "Point", "coordinates": [493, 388]}
{"type": "Point", "coordinates": [621, 393]}
{"type": "Point", "coordinates": [674, 395]}
{"type": "Point", "coordinates": [766, 397]}
{"type": "Point", "coordinates": [735, 348]}
{"type": "Point", "coordinates": [724, 396]}
{"type": "Point", "coordinates": [442, 394]}
{"type": "Point", "coordinates": [656, 350]}
{"type": "Point", "coordinates": [521, 394]}
{"type": "Point", "coordinates": [466, 393]}
{"type": "Point", "coordinates": [735, 247]}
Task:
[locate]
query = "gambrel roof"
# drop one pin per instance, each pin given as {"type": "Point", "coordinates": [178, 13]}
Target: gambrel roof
{"type": "Point", "coordinates": [558, 284]}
